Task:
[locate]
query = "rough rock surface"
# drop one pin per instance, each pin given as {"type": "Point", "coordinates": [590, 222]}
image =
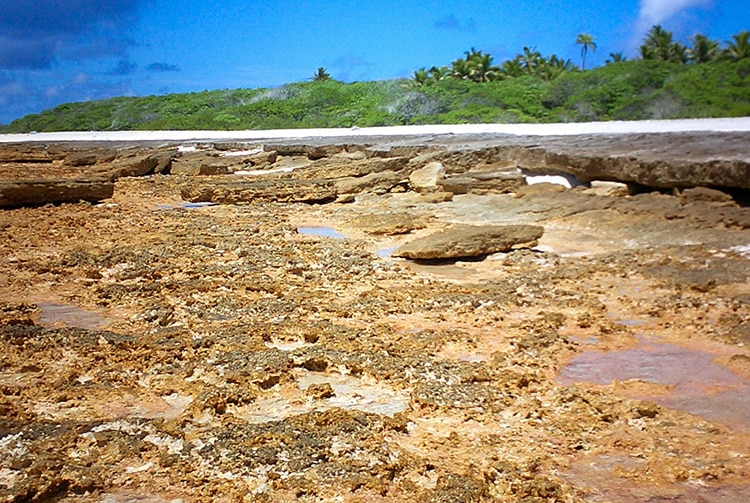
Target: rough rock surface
{"type": "Point", "coordinates": [471, 241]}
{"type": "Point", "coordinates": [63, 174]}
{"type": "Point", "coordinates": [156, 349]}
{"type": "Point", "coordinates": [37, 192]}
{"type": "Point", "coordinates": [389, 223]}
{"type": "Point", "coordinates": [233, 191]}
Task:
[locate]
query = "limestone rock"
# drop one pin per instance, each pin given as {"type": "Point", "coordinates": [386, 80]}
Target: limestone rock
{"type": "Point", "coordinates": [37, 192]}
{"type": "Point", "coordinates": [704, 194]}
{"type": "Point", "coordinates": [389, 223]}
{"type": "Point", "coordinates": [263, 158]}
{"type": "Point", "coordinates": [81, 159]}
{"type": "Point", "coordinates": [436, 197]}
{"type": "Point", "coordinates": [374, 182]}
{"type": "Point", "coordinates": [164, 161]}
{"type": "Point", "coordinates": [538, 188]}
{"type": "Point", "coordinates": [483, 182]}
{"type": "Point", "coordinates": [471, 241]}
{"type": "Point", "coordinates": [426, 179]}
{"type": "Point", "coordinates": [133, 166]}
{"type": "Point", "coordinates": [228, 191]}
{"type": "Point", "coordinates": [214, 167]}
{"type": "Point", "coordinates": [613, 189]}
{"type": "Point", "coordinates": [341, 167]}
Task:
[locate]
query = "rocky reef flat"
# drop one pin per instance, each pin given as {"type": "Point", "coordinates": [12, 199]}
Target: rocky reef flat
{"type": "Point", "coordinates": [431, 318]}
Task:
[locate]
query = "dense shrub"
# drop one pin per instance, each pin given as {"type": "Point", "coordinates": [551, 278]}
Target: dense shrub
{"type": "Point", "coordinates": [629, 90]}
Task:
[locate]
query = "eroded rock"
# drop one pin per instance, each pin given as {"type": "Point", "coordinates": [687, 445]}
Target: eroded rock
{"type": "Point", "coordinates": [37, 192]}
{"type": "Point", "coordinates": [229, 191]}
{"type": "Point", "coordinates": [471, 241]}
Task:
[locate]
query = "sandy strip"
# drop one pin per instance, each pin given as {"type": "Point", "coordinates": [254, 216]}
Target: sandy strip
{"type": "Point", "coordinates": [613, 127]}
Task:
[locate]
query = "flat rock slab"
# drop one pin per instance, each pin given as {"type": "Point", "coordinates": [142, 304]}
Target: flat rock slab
{"type": "Point", "coordinates": [233, 192]}
{"type": "Point", "coordinates": [18, 193]}
{"type": "Point", "coordinates": [389, 223]}
{"type": "Point", "coordinates": [471, 241]}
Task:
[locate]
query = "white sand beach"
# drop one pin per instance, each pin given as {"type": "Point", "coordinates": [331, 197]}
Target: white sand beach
{"type": "Point", "coordinates": [612, 127]}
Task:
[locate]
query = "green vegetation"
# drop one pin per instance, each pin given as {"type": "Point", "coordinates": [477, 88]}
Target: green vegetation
{"type": "Point", "coordinates": [668, 81]}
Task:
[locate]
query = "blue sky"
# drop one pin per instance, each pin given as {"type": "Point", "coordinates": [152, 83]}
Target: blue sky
{"type": "Point", "coordinates": [57, 51]}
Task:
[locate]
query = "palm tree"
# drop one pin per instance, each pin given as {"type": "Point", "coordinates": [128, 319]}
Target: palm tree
{"type": "Point", "coordinates": [551, 68]}
{"type": "Point", "coordinates": [321, 74]}
{"type": "Point", "coordinates": [439, 73]}
{"type": "Point", "coordinates": [703, 49]}
{"type": "Point", "coordinates": [482, 69]}
{"type": "Point", "coordinates": [615, 57]}
{"type": "Point", "coordinates": [420, 78]}
{"type": "Point", "coordinates": [461, 69]}
{"type": "Point", "coordinates": [658, 44]}
{"type": "Point", "coordinates": [530, 59]}
{"type": "Point", "coordinates": [512, 67]}
{"type": "Point", "coordinates": [586, 40]}
{"type": "Point", "coordinates": [739, 47]}
{"type": "Point", "coordinates": [679, 53]}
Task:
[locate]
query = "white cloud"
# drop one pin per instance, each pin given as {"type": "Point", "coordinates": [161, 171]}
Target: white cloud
{"type": "Point", "coordinates": [653, 12]}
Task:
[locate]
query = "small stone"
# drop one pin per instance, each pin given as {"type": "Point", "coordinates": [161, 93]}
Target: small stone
{"type": "Point", "coordinates": [320, 391]}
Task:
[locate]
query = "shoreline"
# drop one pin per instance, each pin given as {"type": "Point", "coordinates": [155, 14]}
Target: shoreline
{"type": "Point", "coordinates": [741, 124]}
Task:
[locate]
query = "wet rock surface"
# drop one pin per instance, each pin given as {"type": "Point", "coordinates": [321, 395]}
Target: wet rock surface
{"type": "Point", "coordinates": [156, 348]}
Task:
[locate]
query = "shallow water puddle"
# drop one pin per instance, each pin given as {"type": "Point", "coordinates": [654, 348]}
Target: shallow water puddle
{"type": "Point", "coordinates": [386, 252]}
{"type": "Point", "coordinates": [186, 206]}
{"type": "Point", "coordinates": [328, 232]}
{"type": "Point", "coordinates": [598, 475]}
{"type": "Point", "coordinates": [66, 315]}
{"type": "Point", "coordinates": [689, 379]}
{"type": "Point", "coordinates": [349, 392]}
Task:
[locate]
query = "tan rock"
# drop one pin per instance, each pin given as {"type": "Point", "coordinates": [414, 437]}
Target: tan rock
{"type": "Point", "coordinates": [538, 188]}
{"type": "Point", "coordinates": [389, 223]}
{"type": "Point", "coordinates": [37, 192]}
{"type": "Point", "coordinates": [226, 190]}
{"type": "Point", "coordinates": [471, 241]}
{"type": "Point", "coordinates": [426, 179]}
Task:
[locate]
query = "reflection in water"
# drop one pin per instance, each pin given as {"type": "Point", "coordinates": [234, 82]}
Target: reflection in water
{"type": "Point", "coordinates": [328, 232]}
{"type": "Point", "coordinates": [696, 384]}
{"type": "Point", "coordinates": [598, 474]}
{"type": "Point", "coordinates": [66, 315]}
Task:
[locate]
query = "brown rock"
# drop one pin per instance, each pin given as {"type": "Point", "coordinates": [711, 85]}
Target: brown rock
{"type": "Point", "coordinates": [343, 168]}
{"type": "Point", "coordinates": [214, 167]}
{"type": "Point", "coordinates": [263, 158]}
{"type": "Point", "coordinates": [538, 188]}
{"type": "Point", "coordinates": [471, 241]}
{"type": "Point", "coordinates": [389, 223]}
{"type": "Point", "coordinates": [81, 159]}
{"type": "Point", "coordinates": [437, 197]}
{"type": "Point", "coordinates": [37, 192]}
{"type": "Point", "coordinates": [427, 177]}
{"type": "Point", "coordinates": [374, 182]}
{"type": "Point", "coordinates": [705, 194]}
{"type": "Point", "coordinates": [483, 182]}
{"type": "Point", "coordinates": [133, 166]}
{"type": "Point", "coordinates": [238, 191]}
{"type": "Point", "coordinates": [320, 391]}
